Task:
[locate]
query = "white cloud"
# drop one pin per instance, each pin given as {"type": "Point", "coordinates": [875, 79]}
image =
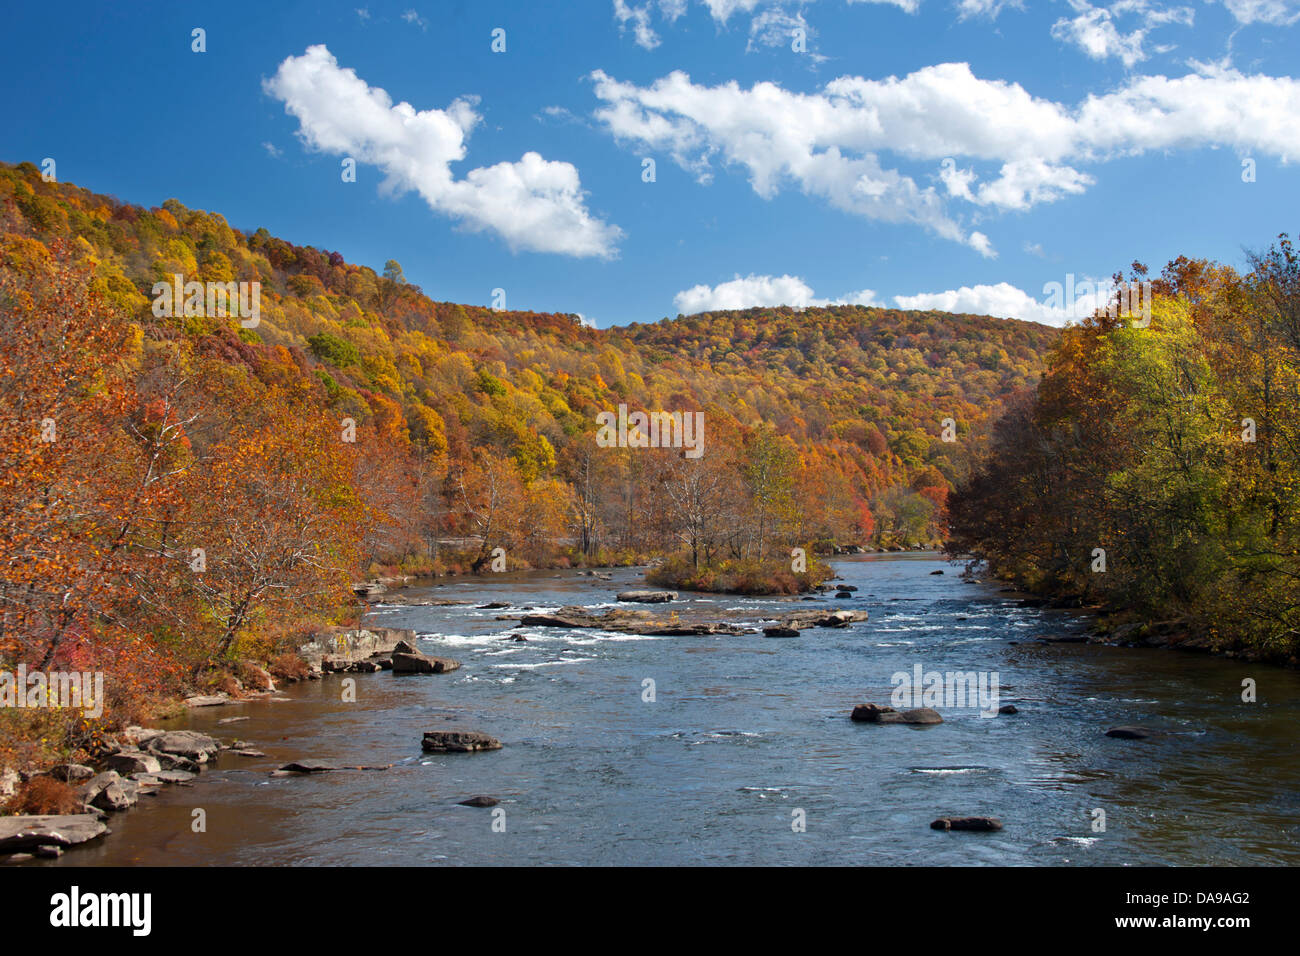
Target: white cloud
{"type": "Point", "coordinates": [1005, 301]}
{"type": "Point", "coordinates": [1094, 30]}
{"type": "Point", "coordinates": [639, 17]}
{"type": "Point", "coordinates": [829, 143]}
{"type": "Point", "coordinates": [410, 16]}
{"type": "Point", "coordinates": [1274, 12]}
{"type": "Point", "coordinates": [761, 290]}
{"type": "Point", "coordinates": [533, 204]}
{"type": "Point", "coordinates": [967, 9]}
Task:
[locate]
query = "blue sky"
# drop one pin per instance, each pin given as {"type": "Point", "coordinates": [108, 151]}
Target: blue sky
{"type": "Point", "coordinates": [916, 153]}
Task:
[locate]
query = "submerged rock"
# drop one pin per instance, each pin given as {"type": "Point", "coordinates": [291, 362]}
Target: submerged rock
{"type": "Point", "coordinates": [480, 801]}
{"type": "Point", "coordinates": [1008, 709]}
{"type": "Point", "coordinates": [1132, 733]}
{"type": "Point", "coordinates": [458, 741]}
{"type": "Point", "coordinates": [978, 824]}
{"type": "Point", "coordinates": [876, 714]}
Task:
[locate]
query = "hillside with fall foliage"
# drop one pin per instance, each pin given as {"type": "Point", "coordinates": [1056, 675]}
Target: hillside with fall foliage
{"type": "Point", "coordinates": [178, 492]}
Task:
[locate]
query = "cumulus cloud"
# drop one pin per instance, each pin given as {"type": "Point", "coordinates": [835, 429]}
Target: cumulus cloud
{"type": "Point", "coordinates": [761, 290]}
{"type": "Point", "coordinates": [1006, 301]}
{"type": "Point", "coordinates": [829, 143]}
{"type": "Point", "coordinates": [1067, 300]}
{"type": "Point", "coordinates": [533, 204]}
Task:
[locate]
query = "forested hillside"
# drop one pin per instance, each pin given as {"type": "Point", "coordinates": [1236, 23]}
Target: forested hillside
{"type": "Point", "coordinates": [1156, 471]}
{"type": "Point", "coordinates": [183, 488]}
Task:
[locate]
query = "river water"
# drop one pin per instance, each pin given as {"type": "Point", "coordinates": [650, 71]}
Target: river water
{"type": "Point", "coordinates": [745, 737]}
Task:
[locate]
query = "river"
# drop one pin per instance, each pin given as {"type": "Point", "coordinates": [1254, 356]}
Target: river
{"type": "Point", "coordinates": [747, 736]}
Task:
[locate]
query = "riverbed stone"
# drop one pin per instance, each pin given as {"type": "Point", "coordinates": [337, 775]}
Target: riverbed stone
{"type": "Point", "coordinates": [27, 833]}
{"type": "Point", "coordinates": [308, 766]}
{"type": "Point", "coordinates": [648, 597]}
{"type": "Point", "coordinates": [108, 791]}
{"type": "Point", "coordinates": [188, 744]}
{"type": "Point", "coordinates": [780, 631]}
{"type": "Point", "coordinates": [877, 714]}
{"type": "Point", "coordinates": [422, 664]}
{"type": "Point", "coordinates": [1131, 733]}
{"type": "Point", "coordinates": [132, 761]}
{"type": "Point", "coordinates": [458, 741]}
{"type": "Point", "coordinates": [976, 824]}
{"type": "Point", "coordinates": [480, 801]}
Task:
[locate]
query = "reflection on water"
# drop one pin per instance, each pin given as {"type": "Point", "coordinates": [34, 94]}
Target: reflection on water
{"type": "Point", "coordinates": [744, 731]}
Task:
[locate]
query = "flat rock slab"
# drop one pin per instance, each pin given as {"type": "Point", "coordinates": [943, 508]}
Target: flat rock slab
{"type": "Point", "coordinates": [308, 766]}
{"type": "Point", "coordinates": [977, 824]}
{"type": "Point", "coordinates": [458, 741]}
{"type": "Point", "coordinates": [648, 597]}
{"type": "Point", "coordinates": [27, 833]}
{"type": "Point", "coordinates": [206, 701]}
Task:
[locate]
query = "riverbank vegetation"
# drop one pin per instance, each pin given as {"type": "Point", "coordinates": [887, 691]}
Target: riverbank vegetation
{"type": "Point", "coordinates": [183, 490]}
{"type": "Point", "coordinates": [1156, 470]}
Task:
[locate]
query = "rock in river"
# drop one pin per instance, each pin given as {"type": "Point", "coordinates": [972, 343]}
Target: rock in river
{"type": "Point", "coordinates": [979, 824]}
{"type": "Point", "coordinates": [418, 663]}
{"type": "Point", "coordinates": [780, 631]}
{"type": "Point", "coordinates": [480, 801]}
{"type": "Point", "coordinates": [457, 741]}
{"type": "Point", "coordinates": [875, 714]}
{"type": "Point", "coordinates": [307, 766]}
{"type": "Point", "coordinates": [1131, 733]}
{"type": "Point", "coordinates": [187, 744]}
{"type": "Point", "coordinates": [648, 597]}
{"type": "Point", "coordinates": [132, 761]}
{"type": "Point", "coordinates": [27, 833]}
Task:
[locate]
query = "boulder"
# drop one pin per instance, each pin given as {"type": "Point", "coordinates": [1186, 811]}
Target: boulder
{"type": "Point", "coordinates": [422, 664]}
{"type": "Point", "coordinates": [9, 781]}
{"type": "Point", "coordinates": [187, 744]}
{"type": "Point", "coordinates": [457, 741]}
{"type": "Point", "coordinates": [876, 714]}
{"type": "Point", "coordinates": [1008, 709]}
{"type": "Point", "coordinates": [132, 761]}
{"type": "Point", "coordinates": [648, 597]}
{"type": "Point", "coordinates": [480, 801]}
{"type": "Point", "coordinates": [108, 791]}
{"type": "Point", "coordinates": [780, 631]}
{"type": "Point", "coordinates": [405, 647]}
{"type": "Point", "coordinates": [978, 824]}
{"type": "Point", "coordinates": [842, 595]}
{"type": "Point", "coordinates": [493, 605]}
{"type": "Point", "coordinates": [937, 572]}
{"type": "Point", "coordinates": [70, 772]}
